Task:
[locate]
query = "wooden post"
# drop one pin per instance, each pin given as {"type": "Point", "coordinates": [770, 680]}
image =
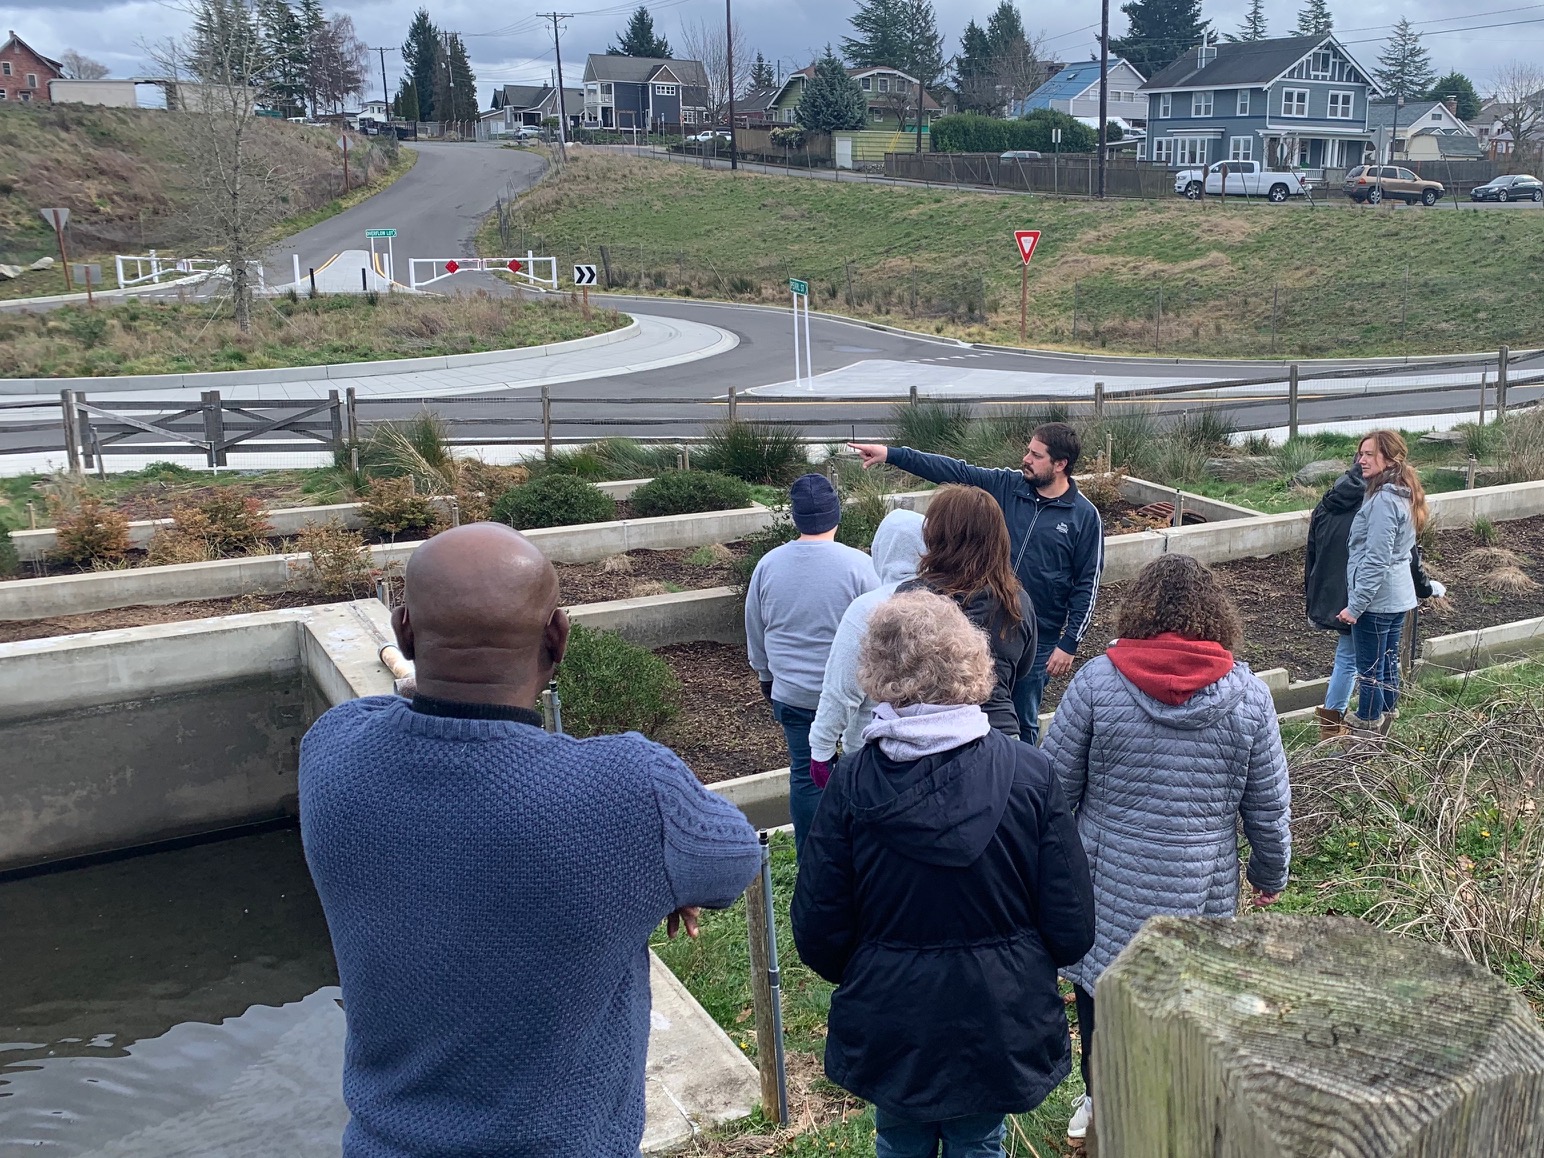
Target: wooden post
{"type": "Point", "coordinates": [83, 433]}
{"type": "Point", "coordinates": [353, 417]}
{"type": "Point", "coordinates": [546, 422]}
{"type": "Point", "coordinates": [335, 410]}
{"type": "Point", "coordinates": [731, 404]}
{"type": "Point", "coordinates": [71, 443]}
{"type": "Point", "coordinates": [214, 427]}
{"type": "Point", "coordinates": [1469, 473]}
{"type": "Point", "coordinates": [912, 395]}
{"type": "Point", "coordinates": [761, 995]}
{"type": "Point", "coordinates": [1023, 302]}
{"type": "Point", "coordinates": [1483, 385]}
{"type": "Point", "coordinates": [1502, 361]}
{"type": "Point", "coordinates": [1292, 400]}
{"type": "Point", "coordinates": [1098, 401]}
{"type": "Point", "coordinates": [1277, 1036]}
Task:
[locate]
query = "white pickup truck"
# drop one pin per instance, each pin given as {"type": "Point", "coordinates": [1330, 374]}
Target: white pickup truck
{"type": "Point", "coordinates": [1244, 179]}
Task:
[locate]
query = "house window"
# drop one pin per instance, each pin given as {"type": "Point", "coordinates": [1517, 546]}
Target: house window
{"type": "Point", "coordinates": [688, 116]}
{"type": "Point", "coordinates": [1190, 150]}
{"type": "Point", "coordinates": [867, 84]}
{"type": "Point", "coordinates": [1319, 66]}
{"type": "Point", "coordinates": [1165, 104]}
{"type": "Point", "coordinates": [1340, 106]}
{"type": "Point", "coordinates": [664, 90]}
{"type": "Point", "coordinates": [25, 97]}
{"type": "Point", "coordinates": [3, 94]}
{"type": "Point", "coordinates": [876, 114]}
{"type": "Point", "coordinates": [884, 84]}
{"type": "Point", "coordinates": [1243, 102]}
{"type": "Point", "coordinates": [6, 65]}
{"type": "Point", "coordinates": [1201, 104]}
{"type": "Point", "coordinates": [1294, 102]}
{"type": "Point", "coordinates": [1241, 149]}
{"type": "Point", "coordinates": [1302, 154]}
{"type": "Point", "coordinates": [605, 90]}
{"type": "Point", "coordinates": [1163, 150]}
{"type": "Point", "coordinates": [1436, 116]}
{"type": "Point", "coordinates": [32, 80]}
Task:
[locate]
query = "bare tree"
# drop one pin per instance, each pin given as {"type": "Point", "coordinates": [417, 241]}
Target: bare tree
{"type": "Point", "coordinates": [78, 66]}
{"type": "Point", "coordinates": [708, 43]}
{"type": "Point", "coordinates": [238, 182]}
{"type": "Point", "coordinates": [1519, 95]}
{"type": "Point", "coordinates": [339, 62]}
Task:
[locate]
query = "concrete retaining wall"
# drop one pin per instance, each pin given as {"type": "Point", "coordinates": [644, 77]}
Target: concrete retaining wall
{"type": "Point", "coordinates": [660, 620]}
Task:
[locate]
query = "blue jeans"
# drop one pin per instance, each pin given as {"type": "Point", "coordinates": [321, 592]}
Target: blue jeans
{"type": "Point", "coordinates": [975, 1136]}
{"type": "Point", "coordinates": [1342, 676]}
{"type": "Point", "coordinates": [1376, 639]}
{"type": "Point", "coordinates": [1028, 691]}
{"type": "Point", "coordinates": [803, 796]}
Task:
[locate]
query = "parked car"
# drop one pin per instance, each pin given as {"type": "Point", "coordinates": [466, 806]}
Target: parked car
{"type": "Point", "coordinates": [711, 134]}
{"type": "Point", "coordinates": [1374, 183]}
{"type": "Point", "coordinates": [1244, 179]}
{"type": "Point", "coordinates": [528, 133]}
{"type": "Point", "coordinates": [1019, 155]}
{"type": "Point", "coordinates": [1512, 187]}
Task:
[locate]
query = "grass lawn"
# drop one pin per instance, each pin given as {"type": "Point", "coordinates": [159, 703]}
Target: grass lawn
{"type": "Point", "coordinates": [1333, 277]}
{"type": "Point", "coordinates": [138, 337]}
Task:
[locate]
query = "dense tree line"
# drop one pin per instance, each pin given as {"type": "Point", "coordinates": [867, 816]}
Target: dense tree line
{"type": "Point", "coordinates": [437, 83]}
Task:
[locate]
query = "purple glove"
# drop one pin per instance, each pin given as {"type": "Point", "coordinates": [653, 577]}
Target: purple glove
{"type": "Point", "coordinates": [820, 772]}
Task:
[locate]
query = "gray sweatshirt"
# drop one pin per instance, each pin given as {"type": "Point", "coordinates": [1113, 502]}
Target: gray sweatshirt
{"type": "Point", "coordinates": [844, 710]}
{"type": "Point", "coordinates": [1378, 554]}
{"type": "Point", "coordinates": [794, 602]}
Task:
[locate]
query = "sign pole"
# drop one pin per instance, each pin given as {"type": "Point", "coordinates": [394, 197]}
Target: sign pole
{"type": "Point", "coordinates": [1023, 302]}
{"type": "Point", "coordinates": [797, 379]}
{"type": "Point", "coordinates": [801, 289]}
{"type": "Point", "coordinates": [809, 361]}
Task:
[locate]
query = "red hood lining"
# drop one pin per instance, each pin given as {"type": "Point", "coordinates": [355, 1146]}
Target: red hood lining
{"type": "Point", "coordinates": [1169, 667]}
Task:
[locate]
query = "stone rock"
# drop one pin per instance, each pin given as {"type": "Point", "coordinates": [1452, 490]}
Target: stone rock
{"type": "Point", "coordinates": [10, 271]}
{"type": "Point", "coordinates": [42, 263]}
{"type": "Point", "coordinates": [1243, 468]}
{"type": "Point", "coordinates": [1318, 472]}
{"type": "Point", "coordinates": [1443, 437]}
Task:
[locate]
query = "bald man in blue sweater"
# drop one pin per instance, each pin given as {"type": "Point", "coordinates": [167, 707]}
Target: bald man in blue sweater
{"type": "Point", "coordinates": [491, 888]}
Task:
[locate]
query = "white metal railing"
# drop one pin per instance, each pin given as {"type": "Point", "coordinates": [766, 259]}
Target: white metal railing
{"type": "Point", "coordinates": [523, 268]}
{"type": "Point", "coordinates": [150, 269]}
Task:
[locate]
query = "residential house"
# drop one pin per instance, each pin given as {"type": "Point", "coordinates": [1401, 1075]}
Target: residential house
{"type": "Point", "coordinates": [755, 107]}
{"type": "Point", "coordinates": [515, 105]}
{"type": "Point", "coordinates": [891, 93]}
{"type": "Point", "coordinates": [1075, 91]}
{"type": "Point", "coordinates": [1495, 138]}
{"type": "Point", "coordinates": [25, 73]}
{"type": "Point", "coordinates": [379, 111]}
{"type": "Point", "coordinates": [635, 92]}
{"type": "Point", "coordinates": [1420, 130]}
{"type": "Point", "coordinates": [1296, 100]}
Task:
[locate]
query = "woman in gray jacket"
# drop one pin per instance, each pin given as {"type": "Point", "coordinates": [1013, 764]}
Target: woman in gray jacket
{"type": "Point", "coordinates": [1161, 745]}
{"type": "Point", "coordinates": [1379, 586]}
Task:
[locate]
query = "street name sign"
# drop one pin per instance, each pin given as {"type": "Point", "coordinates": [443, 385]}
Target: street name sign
{"type": "Point", "coordinates": [380, 233]}
{"type": "Point", "coordinates": [799, 286]}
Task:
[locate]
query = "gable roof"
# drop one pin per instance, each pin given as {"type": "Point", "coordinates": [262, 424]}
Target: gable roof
{"type": "Point", "coordinates": [808, 73]}
{"type": "Point", "coordinates": [1073, 80]}
{"type": "Point", "coordinates": [519, 96]}
{"type": "Point", "coordinates": [1380, 114]}
{"type": "Point", "coordinates": [757, 100]}
{"type": "Point", "coordinates": [48, 60]}
{"type": "Point", "coordinates": [641, 69]}
{"type": "Point", "coordinates": [1244, 63]}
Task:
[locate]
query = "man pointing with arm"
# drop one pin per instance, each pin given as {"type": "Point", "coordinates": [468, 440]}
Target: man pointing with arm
{"type": "Point", "coordinates": [1057, 540]}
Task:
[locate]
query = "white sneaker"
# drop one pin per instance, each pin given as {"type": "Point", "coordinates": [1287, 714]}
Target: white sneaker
{"type": "Point", "coordinates": [1082, 1114]}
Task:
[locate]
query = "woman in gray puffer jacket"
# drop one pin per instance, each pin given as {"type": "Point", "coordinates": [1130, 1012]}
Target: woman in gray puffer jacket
{"type": "Point", "coordinates": [1161, 745]}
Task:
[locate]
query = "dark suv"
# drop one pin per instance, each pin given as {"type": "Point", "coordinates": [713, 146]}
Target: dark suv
{"type": "Point", "coordinates": [1374, 183]}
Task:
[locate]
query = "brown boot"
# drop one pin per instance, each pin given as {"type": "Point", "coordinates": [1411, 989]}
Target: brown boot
{"type": "Point", "coordinates": [1332, 724]}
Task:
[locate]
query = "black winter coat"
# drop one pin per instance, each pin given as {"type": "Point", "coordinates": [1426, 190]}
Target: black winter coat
{"type": "Point", "coordinates": [941, 896]}
{"type": "Point", "coordinates": [1013, 648]}
{"type": "Point", "coordinates": [1324, 562]}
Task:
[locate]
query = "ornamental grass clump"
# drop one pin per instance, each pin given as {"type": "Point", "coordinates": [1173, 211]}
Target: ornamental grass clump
{"type": "Point", "coordinates": [758, 452]}
{"type": "Point", "coordinates": [608, 685]}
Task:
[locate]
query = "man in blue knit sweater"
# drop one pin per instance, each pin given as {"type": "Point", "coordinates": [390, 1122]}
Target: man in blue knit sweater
{"type": "Point", "coordinates": [490, 888]}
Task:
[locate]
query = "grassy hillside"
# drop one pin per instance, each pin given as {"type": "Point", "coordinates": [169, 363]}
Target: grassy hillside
{"type": "Point", "coordinates": [1330, 280]}
{"type": "Point", "coordinates": [120, 173]}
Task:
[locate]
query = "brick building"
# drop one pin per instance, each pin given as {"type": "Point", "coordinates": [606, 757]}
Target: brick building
{"type": "Point", "coordinates": [25, 73]}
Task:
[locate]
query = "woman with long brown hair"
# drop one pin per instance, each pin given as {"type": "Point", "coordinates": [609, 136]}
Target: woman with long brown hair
{"type": "Point", "coordinates": [968, 559]}
{"type": "Point", "coordinates": [1379, 586]}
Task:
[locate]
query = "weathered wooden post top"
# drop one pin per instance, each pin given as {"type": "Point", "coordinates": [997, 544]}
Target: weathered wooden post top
{"type": "Point", "coordinates": [1310, 1037]}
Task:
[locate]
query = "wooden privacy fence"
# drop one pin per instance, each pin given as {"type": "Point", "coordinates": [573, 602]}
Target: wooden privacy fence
{"type": "Point", "coordinates": [1076, 174]}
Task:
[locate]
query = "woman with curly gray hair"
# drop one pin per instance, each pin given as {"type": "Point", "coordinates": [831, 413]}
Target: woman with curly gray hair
{"type": "Point", "coordinates": [1161, 745]}
{"type": "Point", "coordinates": [941, 886]}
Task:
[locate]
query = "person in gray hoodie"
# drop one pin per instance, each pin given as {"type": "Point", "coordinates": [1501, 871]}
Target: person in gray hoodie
{"type": "Point", "coordinates": [844, 711]}
{"type": "Point", "coordinates": [1161, 745]}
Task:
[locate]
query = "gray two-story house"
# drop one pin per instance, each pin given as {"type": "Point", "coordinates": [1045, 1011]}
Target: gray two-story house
{"type": "Point", "coordinates": [652, 95]}
{"type": "Point", "coordinates": [1294, 101]}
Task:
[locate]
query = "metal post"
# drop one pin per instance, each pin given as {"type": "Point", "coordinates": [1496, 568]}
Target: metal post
{"type": "Point", "coordinates": [546, 422]}
{"type": "Point", "coordinates": [1098, 401]}
{"type": "Point", "coordinates": [809, 361]}
{"type": "Point", "coordinates": [1179, 507]}
{"type": "Point", "coordinates": [1502, 360]}
{"type": "Point", "coordinates": [1104, 90]}
{"type": "Point", "coordinates": [312, 274]}
{"type": "Point", "coordinates": [1023, 302]}
{"type": "Point", "coordinates": [1158, 326]}
{"type": "Point", "coordinates": [83, 434]}
{"type": "Point", "coordinates": [766, 990]}
{"type": "Point", "coordinates": [1275, 301]}
{"type": "Point", "coordinates": [101, 460]}
{"type": "Point", "coordinates": [731, 404]}
{"type": "Point", "coordinates": [71, 443]}
{"type": "Point", "coordinates": [797, 380]}
{"type": "Point", "coordinates": [1076, 294]}
{"type": "Point", "coordinates": [1292, 400]}
{"type": "Point", "coordinates": [1469, 473]}
{"type": "Point", "coordinates": [294, 256]}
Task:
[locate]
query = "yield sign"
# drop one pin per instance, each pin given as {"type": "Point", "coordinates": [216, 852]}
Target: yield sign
{"type": "Point", "coordinates": [514, 265]}
{"type": "Point", "coordinates": [56, 218]}
{"type": "Point", "coordinates": [451, 267]}
{"type": "Point", "coordinates": [1027, 240]}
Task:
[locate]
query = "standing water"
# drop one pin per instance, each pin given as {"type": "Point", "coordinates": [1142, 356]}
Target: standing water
{"type": "Point", "coordinates": [180, 1002]}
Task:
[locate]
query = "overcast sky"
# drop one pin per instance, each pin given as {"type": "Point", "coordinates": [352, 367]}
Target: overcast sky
{"type": "Point", "coordinates": [511, 46]}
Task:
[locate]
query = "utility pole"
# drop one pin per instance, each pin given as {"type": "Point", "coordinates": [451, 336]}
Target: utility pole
{"type": "Point", "coordinates": [557, 52]}
{"type": "Point", "coordinates": [1104, 89]}
{"type": "Point", "coordinates": [385, 93]}
{"type": "Point", "coordinates": [734, 151]}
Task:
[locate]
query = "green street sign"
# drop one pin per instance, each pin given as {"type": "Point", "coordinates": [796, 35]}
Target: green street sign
{"type": "Point", "coordinates": [380, 233]}
{"type": "Point", "coordinates": [799, 286]}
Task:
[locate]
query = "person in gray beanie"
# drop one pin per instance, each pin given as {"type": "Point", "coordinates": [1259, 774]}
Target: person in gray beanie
{"type": "Point", "coordinates": [793, 605]}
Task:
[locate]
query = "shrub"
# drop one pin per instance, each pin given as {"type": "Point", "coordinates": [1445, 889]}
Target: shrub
{"type": "Point", "coordinates": [608, 685]}
{"type": "Point", "coordinates": [554, 500]}
{"type": "Point", "coordinates": [163, 471]}
{"type": "Point", "coordinates": [339, 562]}
{"type": "Point", "coordinates": [757, 452]}
{"type": "Point", "coordinates": [685, 492]}
{"type": "Point", "coordinates": [232, 524]}
{"type": "Point", "coordinates": [1523, 451]}
{"type": "Point", "coordinates": [393, 507]}
{"type": "Point", "coordinates": [1484, 532]}
{"type": "Point", "coordinates": [90, 533]}
{"type": "Point", "coordinates": [172, 545]}
{"type": "Point", "coordinates": [975, 133]}
{"type": "Point", "coordinates": [10, 564]}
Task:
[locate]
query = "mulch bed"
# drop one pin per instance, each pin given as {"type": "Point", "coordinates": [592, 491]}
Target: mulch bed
{"type": "Point", "coordinates": [725, 728]}
{"type": "Point", "coordinates": [647, 573]}
{"type": "Point", "coordinates": [111, 620]}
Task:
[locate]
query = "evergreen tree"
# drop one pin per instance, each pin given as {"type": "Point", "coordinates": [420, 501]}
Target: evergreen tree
{"type": "Point", "coordinates": [225, 42]}
{"type": "Point", "coordinates": [975, 82]}
{"type": "Point", "coordinates": [285, 48]}
{"type": "Point", "coordinates": [880, 35]}
{"type": "Point", "coordinates": [762, 75]}
{"type": "Point", "coordinates": [313, 31]}
{"type": "Point", "coordinates": [924, 57]}
{"type": "Point", "coordinates": [1457, 85]}
{"type": "Point", "coordinates": [404, 106]}
{"type": "Point", "coordinates": [1016, 69]}
{"type": "Point", "coordinates": [1159, 32]}
{"type": "Point", "coordinates": [440, 84]}
{"type": "Point", "coordinates": [420, 53]}
{"type": "Point", "coordinates": [1253, 28]}
{"type": "Point", "coordinates": [832, 101]}
{"type": "Point", "coordinates": [463, 82]}
{"type": "Point", "coordinates": [1404, 66]}
{"type": "Point", "coordinates": [638, 38]}
{"type": "Point", "coordinates": [1315, 19]}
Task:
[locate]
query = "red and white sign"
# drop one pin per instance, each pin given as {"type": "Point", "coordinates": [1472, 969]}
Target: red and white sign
{"type": "Point", "coordinates": [451, 266]}
{"type": "Point", "coordinates": [1027, 239]}
{"type": "Point", "coordinates": [515, 265]}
